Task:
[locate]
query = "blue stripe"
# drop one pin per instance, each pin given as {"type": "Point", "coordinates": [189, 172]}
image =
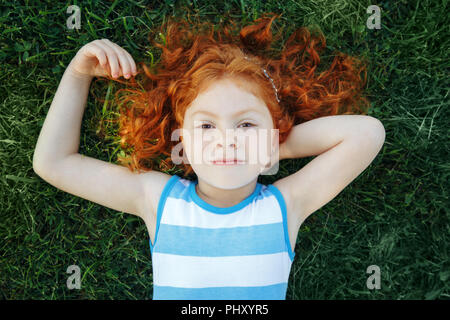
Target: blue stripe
{"type": "Point", "coordinates": [180, 191]}
{"type": "Point", "coordinates": [236, 241]}
{"type": "Point", "coordinates": [272, 292]}
{"type": "Point", "coordinates": [189, 194]}
{"type": "Point", "coordinates": [205, 205]}
{"type": "Point", "coordinates": [162, 200]}
{"type": "Point", "coordinates": [282, 204]}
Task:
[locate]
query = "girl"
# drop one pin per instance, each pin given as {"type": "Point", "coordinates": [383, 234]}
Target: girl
{"type": "Point", "coordinates": [221, 235]}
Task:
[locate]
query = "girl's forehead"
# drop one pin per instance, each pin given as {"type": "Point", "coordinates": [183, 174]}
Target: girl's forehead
{"type": "Point", "coordinates": [231, 84]}
{"type": "Point", "coordinates": [255, 112]}
{"type": "Point", "coordinates": [232, 97]}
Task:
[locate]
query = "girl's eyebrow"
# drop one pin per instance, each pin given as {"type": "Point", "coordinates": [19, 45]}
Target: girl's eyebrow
{"type": "Point", "coordinates": [234, 115]}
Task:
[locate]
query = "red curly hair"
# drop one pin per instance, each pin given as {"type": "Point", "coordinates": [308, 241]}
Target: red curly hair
{"type": "Point", "coordinates": [195, 54]}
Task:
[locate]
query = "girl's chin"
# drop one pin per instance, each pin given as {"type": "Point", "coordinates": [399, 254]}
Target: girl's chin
{"type": "Point", "coordinates": [228, 175]}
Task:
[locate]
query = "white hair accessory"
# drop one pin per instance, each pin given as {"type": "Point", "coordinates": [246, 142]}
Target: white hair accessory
{"type": "Point", "coordinates": [268, 77]}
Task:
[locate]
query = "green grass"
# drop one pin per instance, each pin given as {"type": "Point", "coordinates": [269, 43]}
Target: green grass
{"type": "Point", "coordinates": [394, 215]}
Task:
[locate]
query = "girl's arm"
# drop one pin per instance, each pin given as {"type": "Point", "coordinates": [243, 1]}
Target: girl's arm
{"type": "Point", "coordinates": [60, 134]}
{"type": "Point", "coordinates": [345, 145]}
{"type": "Point", "coordinates": [56, 158]}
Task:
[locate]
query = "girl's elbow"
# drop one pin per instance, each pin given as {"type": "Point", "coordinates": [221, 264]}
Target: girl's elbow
{"type": "Point", "coordinates": [375, 130]}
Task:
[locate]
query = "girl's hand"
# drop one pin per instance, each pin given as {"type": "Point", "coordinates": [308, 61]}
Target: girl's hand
{"type": "Point", "coordinates": [101, 58]}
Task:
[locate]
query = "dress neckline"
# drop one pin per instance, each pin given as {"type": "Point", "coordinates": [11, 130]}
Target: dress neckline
{"type": "Point", "coordinates": [209, 207]}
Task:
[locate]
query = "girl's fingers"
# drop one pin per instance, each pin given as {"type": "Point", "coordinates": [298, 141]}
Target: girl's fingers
{"type": "Point", "coordinates": [112, 58]}
{"type": "Point", "coordinates": [125, 65]}
{"type": "Point", "coordinates": [131, 61]}
{"type": "Point", "coordinates": [96, 51]}
{"type": "Point", "coordinates": [132, 64]}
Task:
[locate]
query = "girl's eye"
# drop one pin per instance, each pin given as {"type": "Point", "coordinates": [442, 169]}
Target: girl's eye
{"type": "Point", "coordinates": [207, 124]}
{"type": "Point", "coordinates": [248, 123]}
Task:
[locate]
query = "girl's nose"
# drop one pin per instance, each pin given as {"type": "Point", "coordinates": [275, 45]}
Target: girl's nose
{"type": "Point", "coordinates": [223, 139]}
{"type": "Point", "coordinates": [231, 144]}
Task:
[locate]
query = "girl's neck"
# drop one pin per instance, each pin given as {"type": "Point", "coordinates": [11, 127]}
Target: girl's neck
{"type": "Point", "coordinates": [223, 198]}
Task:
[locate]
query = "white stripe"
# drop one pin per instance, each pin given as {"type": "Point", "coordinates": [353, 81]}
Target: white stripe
{"type": "Point", "coordinates": [201, 272]}
{"type": "Point", "coordinates": [185, 182]}
{"type": "Point", "coordinates": [179, 212]}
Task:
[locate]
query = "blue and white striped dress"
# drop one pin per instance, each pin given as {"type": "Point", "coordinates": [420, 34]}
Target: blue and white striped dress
{"type": "Point", "coordinates": [203, 252]}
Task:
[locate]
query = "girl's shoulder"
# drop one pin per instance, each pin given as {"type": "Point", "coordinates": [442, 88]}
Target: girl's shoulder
{"type": "Point", "coordinates": [153, 183]}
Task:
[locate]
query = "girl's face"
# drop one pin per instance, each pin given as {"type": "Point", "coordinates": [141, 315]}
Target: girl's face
{"type": "Point", "coordinates": [228, 122]}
